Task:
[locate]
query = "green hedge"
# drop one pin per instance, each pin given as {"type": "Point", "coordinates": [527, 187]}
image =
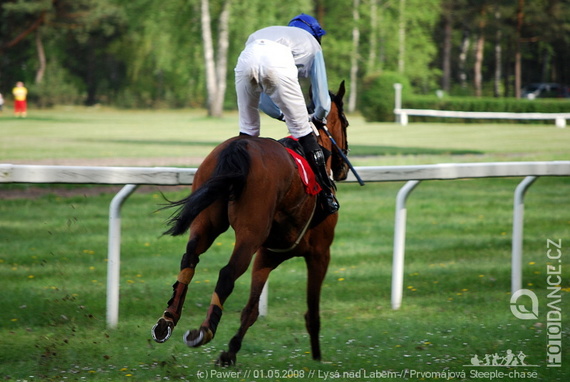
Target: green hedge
{"type": "Point", "coordinates": [377, 103]}
{"type": "Point", "coordinates": [377, 95]}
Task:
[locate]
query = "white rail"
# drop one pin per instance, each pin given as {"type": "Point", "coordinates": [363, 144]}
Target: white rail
{"type": "Point", "coordinates": [162, 176]}
{"type": "Point", "coordinates": [558, 118]}
{"type": "Point", "coordinates": [131, 177]}
{"type": "Point", "coordinates": [402, 114]}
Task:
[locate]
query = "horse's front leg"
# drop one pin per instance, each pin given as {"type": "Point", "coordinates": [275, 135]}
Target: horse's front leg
{"type": "Point", "coordinates": [264, 263]}
{"type": "Point", "coordinates": [317, 265]}
{"type": "Point", "coordinates": [162, 330]}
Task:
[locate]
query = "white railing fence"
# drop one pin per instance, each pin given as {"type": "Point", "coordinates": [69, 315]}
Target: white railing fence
{"type": "Point", "coordinates": [402, 114]}
{"type": "Point", "coordinates": [132, 177]}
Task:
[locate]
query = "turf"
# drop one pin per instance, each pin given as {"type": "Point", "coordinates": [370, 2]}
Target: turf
{"type": "Point", "coordinates": [457, 278]}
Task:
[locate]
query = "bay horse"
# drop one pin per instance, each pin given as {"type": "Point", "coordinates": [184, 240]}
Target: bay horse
{"type": "Point", "coordinates": [253, 185]}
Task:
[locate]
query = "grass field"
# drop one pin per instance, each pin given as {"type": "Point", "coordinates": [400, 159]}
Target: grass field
{"type": "Point", "coordinates": [456, 302]}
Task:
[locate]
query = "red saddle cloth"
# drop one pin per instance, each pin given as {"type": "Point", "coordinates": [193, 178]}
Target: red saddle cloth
{"type": "Point", "coordinates": [312, 187]}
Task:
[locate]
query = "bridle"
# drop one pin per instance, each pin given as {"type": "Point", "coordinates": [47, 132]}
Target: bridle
{"type": "Point", "coordinates": [341, 152]}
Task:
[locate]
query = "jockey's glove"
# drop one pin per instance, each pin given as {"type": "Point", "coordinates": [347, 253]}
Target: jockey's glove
{"type": "Point", "coordinates": [317, 121]}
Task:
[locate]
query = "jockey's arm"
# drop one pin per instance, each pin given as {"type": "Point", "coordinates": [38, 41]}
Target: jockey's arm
{"type": "Point", "coordinates": [269, 107]}
{"type": "Point", "coordinates": [320, 88]}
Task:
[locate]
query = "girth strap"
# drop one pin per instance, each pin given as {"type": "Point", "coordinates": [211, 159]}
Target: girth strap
{"type": "Point", "coordinates": [292, 247]}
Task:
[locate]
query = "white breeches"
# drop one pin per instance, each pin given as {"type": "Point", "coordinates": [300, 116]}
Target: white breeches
{"type": "Point", "coordinates": [269, 67]}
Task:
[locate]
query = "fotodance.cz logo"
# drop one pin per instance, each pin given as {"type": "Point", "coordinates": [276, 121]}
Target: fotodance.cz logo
{"type": "Point", "coordinates": [524, 303]}
{"type": "Point", "coordinates": [521, 311]}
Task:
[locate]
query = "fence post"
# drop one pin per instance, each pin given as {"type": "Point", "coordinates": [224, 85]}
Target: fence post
{"type": "Point", "coordinates": [398, 100]}
{"type": "Point", "coordinates": [114, 255]}
{"type": "Point", "coordinates": [400, 242]}
{"type": "Point", "coordinates": [518, 221]}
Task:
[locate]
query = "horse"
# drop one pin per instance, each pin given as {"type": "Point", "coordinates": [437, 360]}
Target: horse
{"type": "Point", "coordinates": [252, 184]}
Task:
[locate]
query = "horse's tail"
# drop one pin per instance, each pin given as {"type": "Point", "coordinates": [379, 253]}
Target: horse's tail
{"type": "Point", "coordinates": [226, 183]}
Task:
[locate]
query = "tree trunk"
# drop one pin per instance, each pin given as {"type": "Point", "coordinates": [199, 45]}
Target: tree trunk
{"type": "Point", "coordinates": [446, 65]}
{"type": "Point", "coordinates": [518, 70]}
{"type": "Point", "coordinates": [207, 39]}
{"type": "Point", "coordinates": [319, 11]}
{"type": "Point", "coordinates": [402, 37]}
{"type": "Point", "coordinates": [222, 62]}
{"type": "Point", "coordinates": [477, 75]}
{"type": "Point", "coordinates": [463, 58]}
{"type": "Point", "coordinates": [354, 58]}
{"type": "Point", "coordinates": [372, 54]}
{"type": "Point", "coordinates": [479, 51]}
{"type": "Point", "coordinates": [41, 58]}
{"type": "Point", "coordinates": [215, 72]}
{"type": "Point", "coordinates": [498, 56]}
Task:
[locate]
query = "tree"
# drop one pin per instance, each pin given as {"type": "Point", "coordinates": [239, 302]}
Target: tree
{"type": "Point", "coordinates": [402, 37]}
{"type": "Point", "coordinates": [74, 27]}
{"type": "Point", "coordinates": [447, 12]}
{"type": "Point", "coordinates": [355, 57]}
{"type": "Point", "coordinates": [144, 53]}
{"type": "Point", "coordinates": [518, 69]}
{"type": "Point", "coordinates": [480, 49]}
{"type": "Point", "coordinates": [215, 69]}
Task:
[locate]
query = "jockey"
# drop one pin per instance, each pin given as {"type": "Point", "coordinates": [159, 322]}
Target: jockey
{"type": "Point", "coordinates": [267, 78]}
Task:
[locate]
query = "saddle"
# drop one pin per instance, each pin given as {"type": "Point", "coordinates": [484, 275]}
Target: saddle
{"type": "Point", "coordinates": [312, 186]}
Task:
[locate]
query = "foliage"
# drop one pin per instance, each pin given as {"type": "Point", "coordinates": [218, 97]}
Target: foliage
{"type": "Point", "coordinates": [145, 53]}
{"type": "Point", "coordinates": [377, 102]}
{"type": "Point", "coordinates": [59, 87]}
{"type": "Point", "coordinates": [377, 96]}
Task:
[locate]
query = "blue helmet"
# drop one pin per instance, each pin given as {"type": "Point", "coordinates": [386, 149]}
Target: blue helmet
{"type": "Point", "coordinates": [308, 23]}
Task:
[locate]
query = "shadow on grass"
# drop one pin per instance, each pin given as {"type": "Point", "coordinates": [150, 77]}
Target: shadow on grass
{"type": "Point", "coordinates": [154, 142]}
{"type": "Point", "coordinates": [355, 150]}
{"type": "Point", "coordinates": [361, 150]}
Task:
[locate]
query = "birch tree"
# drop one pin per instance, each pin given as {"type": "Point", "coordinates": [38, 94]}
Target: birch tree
{"type": "Point", "coordinates": [355, 56]}
{"type": "Point", "coordinates": [216, 70]}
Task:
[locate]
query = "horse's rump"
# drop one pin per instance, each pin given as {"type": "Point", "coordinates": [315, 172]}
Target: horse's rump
{"type": "Point", "coordinates": [254, 178]}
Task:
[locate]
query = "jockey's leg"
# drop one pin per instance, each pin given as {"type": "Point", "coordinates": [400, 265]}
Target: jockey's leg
{"type": "Point", "coordinates": [316, 159]}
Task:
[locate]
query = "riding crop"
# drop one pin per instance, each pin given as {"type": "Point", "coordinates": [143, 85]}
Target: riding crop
{"type": "Point", "coordinates": [343, 156]}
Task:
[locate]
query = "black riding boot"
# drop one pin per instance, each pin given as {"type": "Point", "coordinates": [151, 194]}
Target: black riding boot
{"type": "Point", "coordinates": [316, 159]}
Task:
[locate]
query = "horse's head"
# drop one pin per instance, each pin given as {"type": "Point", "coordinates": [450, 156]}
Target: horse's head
{"type": "Point", "coordinates": [337, 124]}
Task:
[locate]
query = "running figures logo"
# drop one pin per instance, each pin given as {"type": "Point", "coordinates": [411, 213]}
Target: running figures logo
{"type": "Point", "coordinates": [509, 359]}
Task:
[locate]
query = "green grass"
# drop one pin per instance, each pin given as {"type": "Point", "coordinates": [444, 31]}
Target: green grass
{"type": "Point", "coordinates": [457, 278]}
{"type": "Point", "coordinates": [119, 135]}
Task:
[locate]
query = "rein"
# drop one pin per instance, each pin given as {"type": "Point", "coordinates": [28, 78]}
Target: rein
{"type": "Point", "coordinates": [341, 152]}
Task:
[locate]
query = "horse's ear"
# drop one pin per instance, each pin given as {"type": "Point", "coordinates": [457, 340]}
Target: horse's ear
{"type": "Point", "coordinates": [341, 90]}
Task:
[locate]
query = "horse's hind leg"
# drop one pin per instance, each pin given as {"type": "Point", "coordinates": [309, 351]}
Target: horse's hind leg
{"type": "Point", "coordinates": [202, 236]}
{"type": "Point", "coordinates": [162, 330]}
{"type": "Point", "coordinates": [317, 268]}
{"type": "Point", "coordinates": [238, 264]}
{"type": "Point", "coordinates": [264, 263]}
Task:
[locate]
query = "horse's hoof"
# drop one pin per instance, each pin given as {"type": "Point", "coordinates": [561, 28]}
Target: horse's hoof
{"type": "Point", "coordinates": [198, 337]}
{"type": "Point", "coordinates": [162, 330]}
{"type": "Point", "coordinates": [226, 359]}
